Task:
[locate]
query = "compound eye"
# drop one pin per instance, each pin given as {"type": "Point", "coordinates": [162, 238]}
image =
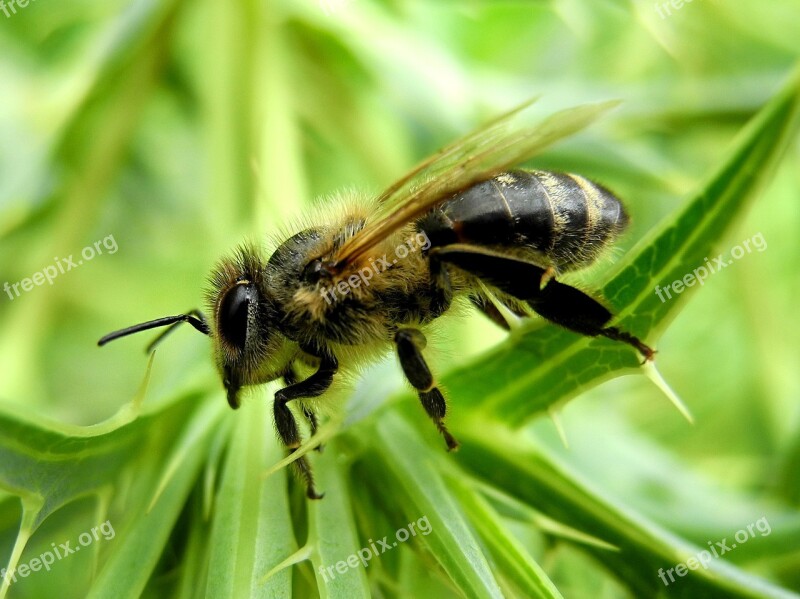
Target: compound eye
{"type": "Point", "coordinates": [312, 272]}
{"type": "Point", "coordinates": [233, 313]}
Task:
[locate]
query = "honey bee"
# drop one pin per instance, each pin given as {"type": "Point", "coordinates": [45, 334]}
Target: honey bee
{"type": "Point", "coordinates": [373, 279]}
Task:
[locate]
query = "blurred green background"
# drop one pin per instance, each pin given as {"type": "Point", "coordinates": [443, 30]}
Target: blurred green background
{"type": "Point", "coordinates": [181, 128]}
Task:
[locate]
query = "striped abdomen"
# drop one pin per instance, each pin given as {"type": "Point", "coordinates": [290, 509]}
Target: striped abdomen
{"type": "Point", "coordinates": [564, 218]}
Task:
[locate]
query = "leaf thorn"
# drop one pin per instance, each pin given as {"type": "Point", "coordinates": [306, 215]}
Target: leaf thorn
{"type": "Point", "coordinates": [652, 373]}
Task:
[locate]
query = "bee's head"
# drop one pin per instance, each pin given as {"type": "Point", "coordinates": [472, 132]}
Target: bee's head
{"type": "Point", "coordinates": [248, 347]}
{"type": "Point", "coordinates": [247, 343]}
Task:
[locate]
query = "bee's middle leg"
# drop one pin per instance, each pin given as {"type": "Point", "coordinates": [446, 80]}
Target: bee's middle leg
{"type": "Point", "coordinates": [313, 386]}
{"type": "Point", "coordinates": [485, 305]}
{"type": "Point", "coordinates": [410, 343]}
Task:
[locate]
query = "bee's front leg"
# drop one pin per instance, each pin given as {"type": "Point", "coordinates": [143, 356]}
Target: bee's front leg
{"type": "Point", "coordinates": [290, 378]}
{"type": "Point", "coordinates": [410, 343]}
{"type": "Point", "coordinates": [313, 386]}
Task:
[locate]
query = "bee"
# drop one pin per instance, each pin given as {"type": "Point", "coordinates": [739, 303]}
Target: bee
{"type": "Point", "coordinates": [374, 279]}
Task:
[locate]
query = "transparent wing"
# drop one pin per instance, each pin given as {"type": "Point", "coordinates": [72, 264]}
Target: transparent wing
{"type": "Point", "coordinates": [475, 157]}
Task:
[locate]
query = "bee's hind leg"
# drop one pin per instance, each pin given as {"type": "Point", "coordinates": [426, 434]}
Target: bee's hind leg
{"type": "Point", "coordinates": [555, 301]}
{"type": "Point", "coordinates": [410, 343]}
{"type": "Point", "coordinates": [313, 386]}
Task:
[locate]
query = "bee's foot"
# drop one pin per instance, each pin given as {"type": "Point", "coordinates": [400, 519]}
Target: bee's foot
{"type": "Point", "coordinates": [311, 493]}
{"type": "Point", "coordinates": [452, 444]}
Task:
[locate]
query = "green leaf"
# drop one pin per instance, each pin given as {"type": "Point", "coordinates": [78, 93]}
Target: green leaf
{"type": "Point", "coordinates": [513, 559]}
{"type": "Point", "coordinates": [130, 565]}
{"type": "Point", "coordinates": [332, 536]}
{"type": "Point", "coordinates": [452, 542]}
{"type": "Point", "coordinates": [51, 466]}
{"type": "Point", "coordinates": [535, 477]}
{"type": "Point", "coordinates": [250, 530]}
